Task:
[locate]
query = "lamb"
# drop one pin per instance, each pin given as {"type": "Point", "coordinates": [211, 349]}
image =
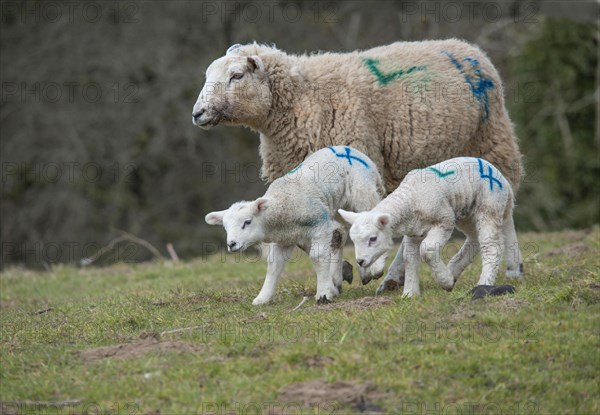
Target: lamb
{"type": "Point", "coordinates": [299, 209]}
{"type": "Point", "coordinates": [467, 193]}
{"type": "Point", "coordinates": [406, 105]}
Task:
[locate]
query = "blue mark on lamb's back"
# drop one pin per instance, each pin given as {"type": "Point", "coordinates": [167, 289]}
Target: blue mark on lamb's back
{"type": "Point", "coordinates": [478, 82]}
{"type": "Point", "coordinates": [489, 175]}
{"type": "Point", "coordinates": [347, 154]}
{"type": "Point", "coordinates": [295, 169]}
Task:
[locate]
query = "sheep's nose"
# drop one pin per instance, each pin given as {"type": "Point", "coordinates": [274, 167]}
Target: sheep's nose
{"type": "Point", "coordinates": [198, 114]}
{"type": "Point", "coordinates": [360, 262]}
{"type": "Point", "coordinates": [231, 245]}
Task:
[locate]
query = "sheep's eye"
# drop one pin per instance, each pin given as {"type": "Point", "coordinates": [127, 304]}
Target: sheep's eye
{"type": "Point", "coordinates": [372, 239]}
{"type": "Point", "coordinates": [236, 76]}
{"type": "Point", "coordinates": [246, 223]}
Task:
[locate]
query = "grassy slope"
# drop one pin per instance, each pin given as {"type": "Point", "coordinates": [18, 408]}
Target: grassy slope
{"type": "Point", "coordinates": [536, 352]}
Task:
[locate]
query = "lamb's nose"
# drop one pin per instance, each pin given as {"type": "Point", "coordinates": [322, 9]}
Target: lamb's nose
{"type": "Point", "coordinates": [360, 262]}
{"type": "Point", "coordinates": [232, 245]}
{"type": "Point", "coordinates": [198, 114]}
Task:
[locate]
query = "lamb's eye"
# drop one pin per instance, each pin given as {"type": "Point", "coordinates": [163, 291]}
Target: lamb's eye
{"type": "Point", "coordinates": [236, 76]}
{"type": "Point", "coordinates": [372, 239]}
{"type": "Point", "coordinates": [246, 223]}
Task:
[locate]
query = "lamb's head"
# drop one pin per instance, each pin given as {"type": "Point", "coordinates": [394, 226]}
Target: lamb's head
{"type": "Point", "coordinates": [373, 239]}
{"type": "Point", "coordinates": [236, 92]}
{"type": "Point", "coordinates": [243, 222]}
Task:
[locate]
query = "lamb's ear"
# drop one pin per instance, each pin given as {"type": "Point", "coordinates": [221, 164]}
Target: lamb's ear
{"type": "Point", "coordinates": [382, 220]}
{"type": "Point", "coordinates": [215, 218]}
{"type": "Point", "coordinates": [349, 217]}
{"type": "Point", "coordinates": [255, 63]}
{"type": "Point", "coordinates": [261, 204]}
{"type": "Point", "coordinates": [232, 48]}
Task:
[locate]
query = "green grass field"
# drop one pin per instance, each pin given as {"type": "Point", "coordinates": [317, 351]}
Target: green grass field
{"type": "Point", "coordinates": [184, 338]}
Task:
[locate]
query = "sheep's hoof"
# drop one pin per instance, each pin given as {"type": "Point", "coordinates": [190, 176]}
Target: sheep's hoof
{"type": "Point", "coordinates": [323, 300]}
{"type": "Point", "coordinates": [347, 273]}
{"type": "Point", "coordinates": [484, 290]}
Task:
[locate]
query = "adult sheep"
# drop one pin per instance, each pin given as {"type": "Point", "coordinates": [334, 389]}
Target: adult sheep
{"type": "Point", "coordinates": [406, 105]}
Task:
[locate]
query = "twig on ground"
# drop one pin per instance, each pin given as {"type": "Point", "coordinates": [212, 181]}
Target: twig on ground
{"type": "Point", "coordinates": [172, 253]}
{"type": "Point", "coordinates": [124, 237]}
{"type": "Point", "coordinates": [179, 330]}
{"type": "Point", "coordinates": [301, 302]}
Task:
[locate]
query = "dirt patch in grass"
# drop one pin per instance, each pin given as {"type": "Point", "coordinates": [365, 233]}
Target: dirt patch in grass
{"type": "Point", "coordinates": [319, 361]}
{"type": "Point", "coordinates": [136, 349]}
{"type": "Point", "coordinates": [362, 303]}
{"type": "Point", "coordinates": [570, 250]}
{"type": "Point", "coordinates": [317, 393]}
{"type": "Point", "coordinates": [7, 304]}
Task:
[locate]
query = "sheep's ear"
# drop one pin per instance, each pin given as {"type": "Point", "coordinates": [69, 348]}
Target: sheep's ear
{"type": "Point", "coordinates": [255, 63]}
{"type": "Point", "coordinates": [261, 204]}
{"type": "Point", "coordinates": [232, 49]}
{"type": "Point", "coordinates": [215, 218]}
{"type": "Point", "coordinates": [349, 217]}
{"type": "Point", "coordinates": [382, 220]}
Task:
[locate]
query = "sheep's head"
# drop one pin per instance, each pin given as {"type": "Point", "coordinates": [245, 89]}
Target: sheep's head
{"type": "Point", "coordinates": [243, 222]}
{"type": "Point", "coordinates": [372, 237]}
{"type": "Point", "coordinates": [236, 92]}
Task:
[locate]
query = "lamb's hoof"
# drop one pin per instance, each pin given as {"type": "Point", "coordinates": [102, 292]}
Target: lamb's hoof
{"type": "Point", "coordinates": [323, 300]}
{"type": "Point", "coordinates": [484, 290]}
{"type": "Point", "coordinates": [347, 273]}
{"type": "Point", "coordinates": [389, 285]}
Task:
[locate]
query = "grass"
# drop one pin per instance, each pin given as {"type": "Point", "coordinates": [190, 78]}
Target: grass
{"type": "Point", "coordinates": [533, 352]}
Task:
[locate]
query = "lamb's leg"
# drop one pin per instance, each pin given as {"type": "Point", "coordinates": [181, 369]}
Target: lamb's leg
{"type": "Point", "coordinates": [278, 257]}
{"type": "Point", "coordinates": [394, 278]}
{"type": "Point", "coordinates": [465, 256]}
{"type": "Point", "coordinates": [431, 254]}
{"type": "Point", "coordinates": [514, 262]}
{"type": "Point", "coordinates": [412, 261]}
{"type": "Point", "coordinates": [489, 234]}
{"type": "Point", "coordinates": [321, 256]}
{"type": "Point", "coordinates": [338, 240]}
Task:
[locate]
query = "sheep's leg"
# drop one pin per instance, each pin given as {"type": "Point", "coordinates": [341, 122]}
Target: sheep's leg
{"type": "Point", "coordinates": [465, 256]}
{"type": "Point", "coordinates": [278, 257]}
{"type": "Point", "coordinates": [514, 262]}
{"type": "Point", "coordinates": [395, 275]}
{"type": "Point", "coordinates": [322, 258]}
{"type": "Point", "coordinates": [412, 261]}
{"type": "Point", "coordinates": [491, 251]}
{"type": "Point", "coordinates": [431, 254]}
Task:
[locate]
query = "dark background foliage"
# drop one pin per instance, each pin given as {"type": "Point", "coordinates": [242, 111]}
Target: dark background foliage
{"type": "Point", "coordinates": [96, 132]}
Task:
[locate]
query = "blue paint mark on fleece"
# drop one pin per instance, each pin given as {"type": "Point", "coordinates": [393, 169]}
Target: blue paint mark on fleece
{"type": "Point", "coordinates": [489, 175]}
{"type": "Point", "coordinates": [295, 169]}
{"type": "Point", "coordinates": [479, 83]}
{"type": "Point", "coordinates": [348, 156]}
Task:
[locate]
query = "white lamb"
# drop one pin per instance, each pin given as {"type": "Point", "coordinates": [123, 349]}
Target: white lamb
{"type": "Point", "coordinates": [467, 193]}
{"type": "Point", "coordinates": [299, 209]}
